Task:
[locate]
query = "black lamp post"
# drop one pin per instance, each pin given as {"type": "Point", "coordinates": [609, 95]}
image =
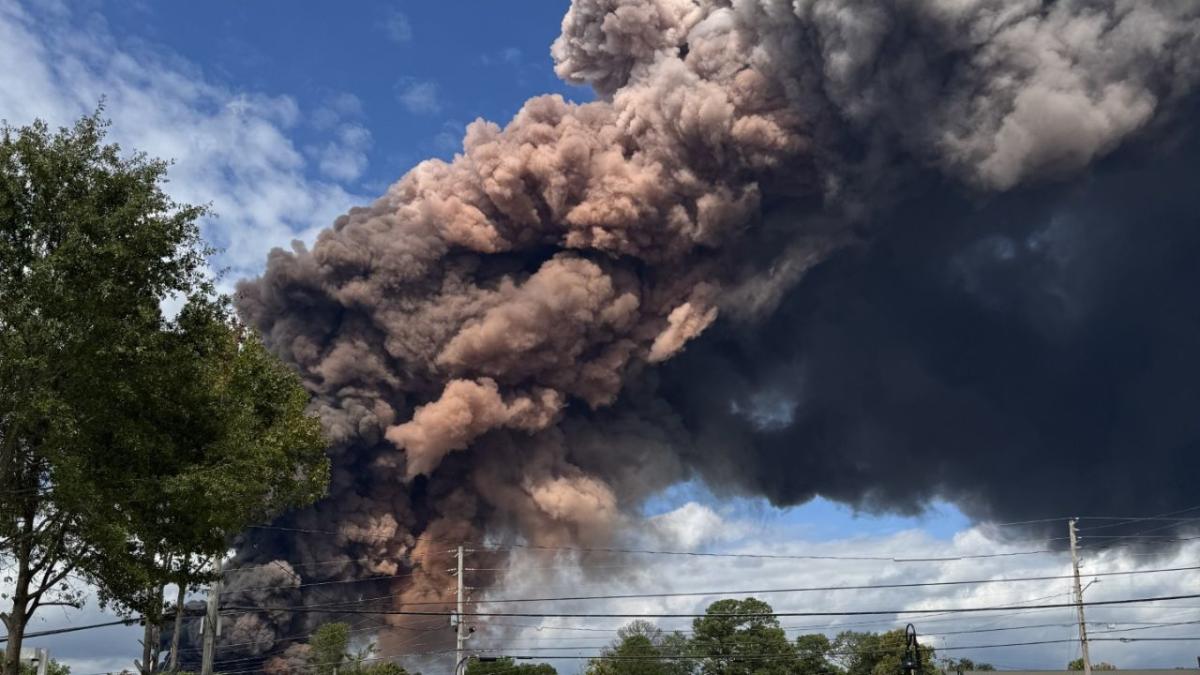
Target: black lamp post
{"type": "Point", "coordinates": [911, 663]}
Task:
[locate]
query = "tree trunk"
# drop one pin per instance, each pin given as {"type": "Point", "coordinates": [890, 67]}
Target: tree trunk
{"type": "Point", "coordinates": [18, 615]}
{"type": "Point", "coordinates": [15, 623]}
{"type": "Point", "coordinates": [12, 655]}
{"type": "Point", "coordinates": [153, 619]}
{"type": "Point", "coordinates": [150, 650]}
{"type": "Point", "coordinates": [174, 663]}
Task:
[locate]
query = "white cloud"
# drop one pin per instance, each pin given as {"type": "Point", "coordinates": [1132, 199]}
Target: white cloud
{"type": "Point", "coordinates": [689, 526]}
{"type": "Point", "coordinates": [509, 55]}
{"type": "Point", "coordinates": [419, 97]}
{"type": "Point", "coordinates": [231, 148]}
{"type": "Point", "coordinates": [546, 574]}
{"type": "Point", "coordinates": [397, 27]}
{"type": "Point", "coordinates": [340, 106]}
{"type": "Point", "coordinates": [345, 158]}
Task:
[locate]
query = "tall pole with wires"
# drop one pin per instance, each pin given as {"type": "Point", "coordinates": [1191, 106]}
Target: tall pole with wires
{"type": "Point", "coordinates": [211, 621]}
{"type": "Point", "coordinates": [1083, 639]}
{"type": "Point", "coordinates": [461, 627]}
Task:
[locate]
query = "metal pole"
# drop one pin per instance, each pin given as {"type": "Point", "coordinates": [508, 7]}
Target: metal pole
{"type": "Point", "coordinates": [461, 636]}
{"type": "Point", "coordinates": [43, 660]}
{"type": "Point", "coordinates": [1083, 639]}
{"type": "Point", "coordinates": [211, 621]}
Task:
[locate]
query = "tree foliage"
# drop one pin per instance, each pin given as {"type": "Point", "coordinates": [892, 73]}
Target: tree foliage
{"type": "Point", "coordinates": [379, 668]}
{"type": "Point", "coordinates": [129, 440]}
{"type": "Point", "coordinates": [507, 666]}
{"type": "Point", "coordinates": [52, 668]}
{"type": "Point", "coordinates": [744, 637]}
{"type": "Point", "coordinates": [952, 665]}
{"type": "Point", "coordinates": [89, 248]}
{"type": "Point", "coordinates": [812, 653]}
{"type": "Point", "coordinates": [875, 653]}
{"type": "Point", "coordinates": [330, 652]}
{"type": "Point", "coordinates": [640, 649]}
{"type": "Point", "coordinates": [741, 637]}
{"type": "Point", "coordinates": [1077, 664]}
{"type": "Point", "coordinates": [329, 645]}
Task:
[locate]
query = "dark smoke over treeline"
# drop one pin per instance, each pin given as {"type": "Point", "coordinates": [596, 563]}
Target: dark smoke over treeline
{"type": "Point", "coordinates": [877, 251]}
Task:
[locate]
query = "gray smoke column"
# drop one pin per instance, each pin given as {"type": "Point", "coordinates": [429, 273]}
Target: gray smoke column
{"type": "Point", "coordinates": [600, 299]}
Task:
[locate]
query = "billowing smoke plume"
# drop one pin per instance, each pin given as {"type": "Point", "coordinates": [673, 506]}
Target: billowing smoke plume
{"type": "Point", "coordinates": [878, 251]}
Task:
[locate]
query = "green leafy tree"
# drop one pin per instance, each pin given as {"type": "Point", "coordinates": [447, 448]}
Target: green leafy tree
{"type": "Point", "coordinates": [812, 653]}
{"type": "Point", "coordinates": [507, 666]}
{"type": "Point", "coordinates": [875, 653]}
{"type": "Point", "coordinates": [380, 668]}
{"type": "Point", "coordinates": [329, 645]}
{"type": "Point", "coordinates": [367, 662]}
{"type": "Point", "coordinates": [641, 648]}
{"type": "Point", "coordinates": [1077, 664]}
{"type": "Point", "coordinates": [951, 665]}
{"type": "Point", "coordinates": [90, 247]}
{"type": "Point", "coordinates": [129, 441]}
{"type": "Point", "coordinates": [677, 645]}
{"type": "Point", "coordinates": [241, 449]}
{"type": "Point", "coordinates": [52, 668]}
{"type": "Point", "coordinates": [329, 651]}
{"type": "Point", "coordinates": [742, 637]}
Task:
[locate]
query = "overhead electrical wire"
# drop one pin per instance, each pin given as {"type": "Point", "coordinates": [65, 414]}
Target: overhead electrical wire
{"type": "Point", "coordinates": [764, 556]}
{"type": "Point", "coordinates": [620, 615]}
{"type": "Point", "coordinates": [339, 607]}
{"type": "Point", "coordinates": [927, 633]}
{"type": "Point", "coordinates": [809, 589]}
{"type": "Point", "coordinates": [877, 558]}
{"type": "Point", "coordinates": [75, 629]}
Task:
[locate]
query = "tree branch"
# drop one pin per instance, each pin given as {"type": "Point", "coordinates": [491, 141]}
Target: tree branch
{"type": "Point", "coordinates": [50, 555]}
{"type": "Point", "coordinates": [57, 603]}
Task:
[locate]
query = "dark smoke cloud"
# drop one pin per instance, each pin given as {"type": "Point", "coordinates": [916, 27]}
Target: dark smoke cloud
{"type": "Point", "coordinates": [1025, 358]}
{"type": "Point", "coordinates": [877, 251]}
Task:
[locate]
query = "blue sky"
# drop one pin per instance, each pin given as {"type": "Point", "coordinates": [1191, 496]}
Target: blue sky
{"type": "Point", "coordinates": [417, 71]}
{"type": "Point", "coordinates": [283, 114]}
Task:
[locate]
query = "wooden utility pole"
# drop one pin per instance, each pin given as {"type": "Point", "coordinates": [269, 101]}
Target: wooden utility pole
{"type": "Point", "coordinates": [212, 620]}
{"type": "Point", "coordinates": [461, 628]}
{"type": "Point", "coordinates": [1083, 639]}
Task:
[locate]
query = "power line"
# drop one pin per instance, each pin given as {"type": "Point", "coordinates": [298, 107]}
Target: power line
{"type": "Point", "coordinates": [973, 631]}
{"type": "Point", "coordinates": [231, 591]}
{"type": "Point", "coordinates": [332, 561]}
{"type": "Point", "coordinates": [73, 629]}
{"type": "Point", "coordinates": [340, 604]}
{"type": "Point", "coordinates": [764, 556]}
{"type": "Point", "coordinates": [807, 589]}
{"type": "Point", "coordinates": [754, 657]}
{"type": "Point", "coordinates": [337, 607]}
{"type": "Point", "coordinates": [1160, 517]}
{"type": "Point", "coordinates": [1023, 609]}
{"type": "Point", "coordinates": [872, 612]}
